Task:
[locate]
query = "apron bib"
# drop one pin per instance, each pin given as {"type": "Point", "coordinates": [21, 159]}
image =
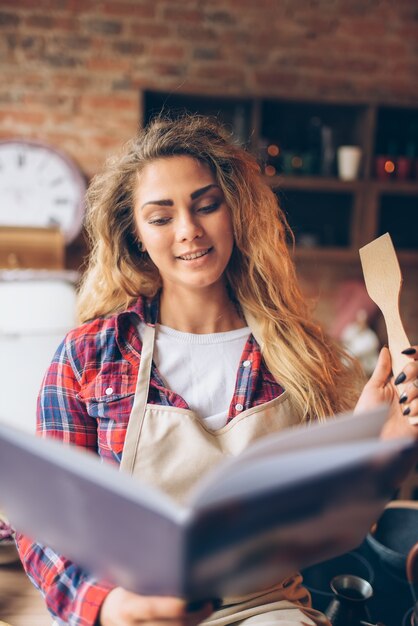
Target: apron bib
{"type": "Point", "coordinates": [154, 451]}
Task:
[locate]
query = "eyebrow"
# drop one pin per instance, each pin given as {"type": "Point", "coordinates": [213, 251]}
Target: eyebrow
{"type": "Point", "coordinates": [193, 196]}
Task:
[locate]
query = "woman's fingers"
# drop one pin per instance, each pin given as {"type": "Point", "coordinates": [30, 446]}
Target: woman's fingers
{"type": "Point", "coordinates": [124, 608]}
{"type": "Point", "coordinates": [383, 368]}
{"type": "Point", "coordinates": [408, 378]}
{"type": "Point", "coordinates": [174, 609]}
{"type": "Point", "coordinates": [412, 351]}
{"type": "Point", "coordinates": [409, 393]}
{"type": "Point", "coordinates": [156, 608]}
{"type": "Point", "coordinates": [408, 374]}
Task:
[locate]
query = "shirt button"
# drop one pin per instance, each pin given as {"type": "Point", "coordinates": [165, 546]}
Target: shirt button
{"type": "Point", "coordinates": [109, 391]}
{"type": "Point", "coordinates": [238, 407]}
{"type": "Point", "coordinates": [246, 363]}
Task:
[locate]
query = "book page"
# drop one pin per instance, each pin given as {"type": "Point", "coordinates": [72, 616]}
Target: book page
{"type": "Point", "coordinates": [329, 434]}
{"type": "Point", "coordinates": [313, 505]}
{"type": "Point", "coordinates": [344, 427]}
{"type": "Point", "coordinates": [293, 468]}
{"type": "Point", "coordinates": [90, 512]}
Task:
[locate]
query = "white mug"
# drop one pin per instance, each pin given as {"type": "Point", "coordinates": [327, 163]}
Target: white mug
{"type": "Point", "coordinates": [348, 159]}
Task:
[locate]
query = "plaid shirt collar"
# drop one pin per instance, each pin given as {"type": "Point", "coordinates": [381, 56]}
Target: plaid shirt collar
{"type": "Point", "coordinates": [254, 385]}
{"type": "Point", "coordinates": [143, 310]}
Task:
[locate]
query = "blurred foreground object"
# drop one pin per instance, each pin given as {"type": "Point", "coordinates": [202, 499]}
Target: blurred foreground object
{"type": "Point", "coordinates": [8, 552]}
{"type": "Point", "coordinates": [37, 309]}
{"type": "Point", "coordinates": [362, 341]}
{"type": "Point", "coordinates": [31, 247]}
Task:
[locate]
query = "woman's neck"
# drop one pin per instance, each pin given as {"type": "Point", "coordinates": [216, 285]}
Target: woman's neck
{"type": "Point", "coordinates": [199, 311]}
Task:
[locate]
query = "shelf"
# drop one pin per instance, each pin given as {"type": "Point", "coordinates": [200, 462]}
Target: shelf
{"type": "Point", "coordinates": [344, 256]}
{"type": "Point", "coordinates": [395, 187]}
{"type": "Point", "coordinates": [325, 255]}
{"type": "Point", "coordinates": [234, 113]}
{"type": "Point", "coordinates": [341, 255]}
{"type": "Point", "coordinates": [318, 183]}
{"type": "Point", "coordinates": [314, 183]}
{"type": "Point", "coordinates": [407, 257]}
{"type": "Point", "coordinates": [331, 218]}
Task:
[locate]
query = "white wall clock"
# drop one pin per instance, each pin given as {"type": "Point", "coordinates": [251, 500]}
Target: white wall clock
{"type": "Point", "coordinates": [40, 187]}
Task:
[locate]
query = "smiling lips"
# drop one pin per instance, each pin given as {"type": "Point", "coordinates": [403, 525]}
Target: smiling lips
{"type": "Point", "coordinates": [194, 255]}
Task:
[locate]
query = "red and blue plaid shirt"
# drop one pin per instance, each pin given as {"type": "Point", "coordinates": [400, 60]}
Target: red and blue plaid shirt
{"type": "Point", "coordinates": [86, 400]}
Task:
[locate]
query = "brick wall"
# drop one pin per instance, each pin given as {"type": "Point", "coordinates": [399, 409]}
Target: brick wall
{"type": "Point", "coordinates": [72, 70]}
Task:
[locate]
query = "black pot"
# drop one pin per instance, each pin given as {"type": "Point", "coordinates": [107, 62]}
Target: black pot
{"type": "Point", "coordinates": [394, 535]}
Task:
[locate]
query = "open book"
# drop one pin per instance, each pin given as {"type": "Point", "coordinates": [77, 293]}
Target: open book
{"type": "Point", "coordinates": [289, 500]}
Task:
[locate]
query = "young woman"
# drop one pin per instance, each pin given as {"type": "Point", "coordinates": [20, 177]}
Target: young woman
{"type": "Point", "coordinates": [195, 341]}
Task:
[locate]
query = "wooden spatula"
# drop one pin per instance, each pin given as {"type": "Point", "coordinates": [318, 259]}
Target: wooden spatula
{"type": "Point", "coordinates": [383, 279]}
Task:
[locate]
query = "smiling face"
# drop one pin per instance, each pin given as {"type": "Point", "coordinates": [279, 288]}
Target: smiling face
{"type": "Point", "coordinates": [183, 222]}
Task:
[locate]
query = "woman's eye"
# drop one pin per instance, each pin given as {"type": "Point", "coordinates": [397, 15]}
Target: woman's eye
{"type": "Point", "coordinates": [159, 221]}
{"type": "Point", "coordinates": [209, 207]}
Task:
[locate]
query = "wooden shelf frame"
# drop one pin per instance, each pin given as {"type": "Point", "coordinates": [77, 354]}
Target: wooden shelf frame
{"type": "Point", "coordinates": [359, 120]}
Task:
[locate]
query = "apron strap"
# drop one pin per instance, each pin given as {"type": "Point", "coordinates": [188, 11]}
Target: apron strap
{"type": "Point", "coordinates": [136, 418]}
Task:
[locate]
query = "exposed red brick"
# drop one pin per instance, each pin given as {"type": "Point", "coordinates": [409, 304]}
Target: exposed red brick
{"type": "Point", "coordinates": [39, 21]}
{"type": "Point", "coordinates": [221, 71]}
{"type": "Point", "coordinates": [198, 34]}
{"type": "Point", "coordinates": [24, 4]}
{"type": "Point", "coordinates": [82, 6]}
{"type": "Point", "coordinates": [66, 23]}
{"type": "Point", "coordinates": [167, 51]}
{"type": "Point", "coordinates": [70, 82]}
{"type": "Point", "coordinates": [28, 118]}
{"type": "Point", "coordinates": [208, 53]}
{"type": "Point", "coordinates": [131, 9]}
{"type": "Point", "coordinates": [150, 29]}
{"type": "Point", "coordinates": [9, 19]}
{"type": "Point", "coordinates": [222, 17]}
{"type": "Point", "coordinates": [275, 79]}
{"type": "Point", "coordinates": [182, 15]}
{"type": "Point", "coordinates": [109, 103]}
{"type": "Point", "coordinates": [168, 69]}
{"type": "Point", "coordinates": [103, 26]}
{"type": "Point", "coordinates": [408, 31]}
{"type": "Point", "coordinates": [48, 101]}
{"type": "Point", "coordinates": [128, 47]}
{"type": "Point", "coordinates": [113, 64]}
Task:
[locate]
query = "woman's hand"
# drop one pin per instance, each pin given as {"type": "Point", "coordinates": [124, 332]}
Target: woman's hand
{"type": "Point", "coordinates": [123, 608]}
{"type": "Point", "coordinates": [382, 389]}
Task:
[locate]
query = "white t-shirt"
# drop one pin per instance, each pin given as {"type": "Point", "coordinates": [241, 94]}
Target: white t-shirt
{"type": "Point", "coordinates": [202, 369]}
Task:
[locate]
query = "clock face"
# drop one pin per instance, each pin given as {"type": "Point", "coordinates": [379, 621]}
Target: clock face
{"type": "Point", "coordinates": [40, 187]}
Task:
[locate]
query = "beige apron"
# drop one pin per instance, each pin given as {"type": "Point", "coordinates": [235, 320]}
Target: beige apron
{"type": "Point", "coordinates": [171, 448]}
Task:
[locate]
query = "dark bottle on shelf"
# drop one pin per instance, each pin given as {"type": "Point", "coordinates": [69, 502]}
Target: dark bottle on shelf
{"type": "Point", "coordinates": [327, 151]}
{"type": "Point", "coordinates": [314, 144]}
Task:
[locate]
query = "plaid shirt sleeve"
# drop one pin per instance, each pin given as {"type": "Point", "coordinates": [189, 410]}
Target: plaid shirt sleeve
{"type": "Point", "coordinates": [72, 596]}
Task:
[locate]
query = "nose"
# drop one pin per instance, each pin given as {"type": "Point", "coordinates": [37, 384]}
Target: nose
{"type": "Point", "coordinates": [188, 228]}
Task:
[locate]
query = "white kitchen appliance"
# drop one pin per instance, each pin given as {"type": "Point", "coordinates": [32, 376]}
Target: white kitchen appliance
{"type": "Point", "coordinates": [37, 308]}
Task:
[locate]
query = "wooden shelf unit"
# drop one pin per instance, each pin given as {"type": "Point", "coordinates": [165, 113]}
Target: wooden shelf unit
{"type": "Point", "coordinates": [321, 208]}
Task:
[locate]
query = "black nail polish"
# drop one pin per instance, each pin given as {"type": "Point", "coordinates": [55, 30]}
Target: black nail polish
{"type": "Point", "coordinates": [409, 351]}
{"type": "Point", "coordinates": [403, 398]}
{"type": "Point", "coordinates": [400, 378]}
{"type": "Point", "coordinates": [407, 411]}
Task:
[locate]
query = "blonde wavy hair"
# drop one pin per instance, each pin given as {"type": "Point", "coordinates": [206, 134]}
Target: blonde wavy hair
{"type": "Point", "coordinates": [319, 376]}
